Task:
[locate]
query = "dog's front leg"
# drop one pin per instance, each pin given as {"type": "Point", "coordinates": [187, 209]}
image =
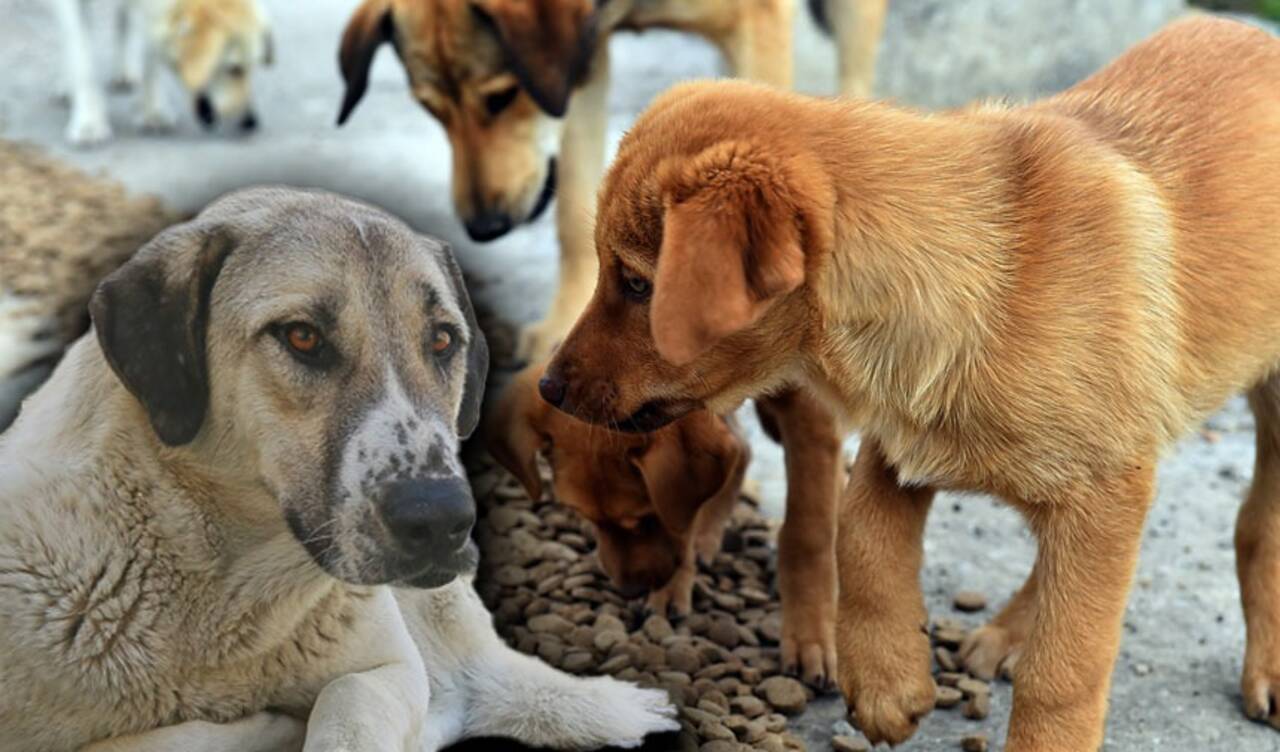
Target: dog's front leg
{"type": "Point", "coordinates": [858, 26]}
{"type": "Point", "coordinates": [380, 710]}
{"type": "Point", "coordinates": [88, 124]}
{"type": "Point", "coordinates": [882, 639]}
{"type": "Point", "coordinates": [124, 50]}
{"type": "Point", "coordinates": [1088, 552]}
{"type": "Point", "coordinates": [156, 116]}
{"type": "Point", "coordinates": [579, 169]}
{"type": "Point", "coordinates": [759, 47]}
{"type": "Point", "coordinates": [260, 732]}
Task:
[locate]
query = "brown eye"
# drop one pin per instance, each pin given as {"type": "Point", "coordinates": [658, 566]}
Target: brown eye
{"type": "Point", "coordinates": [441, 341]}
{"type": "Point", "coordinates": [637, 289]}
{"type": "Point", "coordinates": [498, 101]}
{"type": "Point", "coordinates": [303, 338]}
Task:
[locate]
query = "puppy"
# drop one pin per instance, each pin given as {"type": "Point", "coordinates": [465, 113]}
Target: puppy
{"type": "Point", "coordinates": [235, 516]}
{"type": "Point", "coordinates": [212, 45]}
{"type": "Point", "coordinates": [1027, 301]}
{"type": "Point", "coordinates": [659, 501]}
{"type": "Point", "coordinates": [518, 83]}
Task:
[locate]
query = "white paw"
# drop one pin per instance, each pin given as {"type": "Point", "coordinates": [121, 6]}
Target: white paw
{"type": "Point", "coordinates": [635, 713]}
{"type": "Point", "coordinates": [123, 82]}
{"type": "Point", "coordinates": [157, 120]}
{"type": "Point", "coordinates": [88, 127]}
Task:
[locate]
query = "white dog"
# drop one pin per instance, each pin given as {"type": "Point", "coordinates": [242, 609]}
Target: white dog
{"type": "Point", "coordinates": [212, 45]}
{"type": "Point", "coordinates": [199, 510]}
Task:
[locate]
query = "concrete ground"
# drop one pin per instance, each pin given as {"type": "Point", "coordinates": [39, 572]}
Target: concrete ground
{"type": "Point", "coordinates": [1175, 685]}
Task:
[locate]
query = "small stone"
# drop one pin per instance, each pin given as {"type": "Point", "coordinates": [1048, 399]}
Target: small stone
{"type": "Point", "coordinates": [969, 601]}
{"type": "Point", "coordinates": [784, 693]}
{"type": "Point", "coordinates": [1141, 669]}
{"type": "Point", "coordinates": [974, 743]}
{"type": "Point", "coordinates": [849, 744]}
{"type": "Point", "coordinates": [947, 697]}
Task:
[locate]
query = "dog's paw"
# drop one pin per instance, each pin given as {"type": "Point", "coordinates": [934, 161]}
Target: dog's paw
{"type": "Point", "coordinates": [810, 657]}
{"type": "Point", "coordinates": [675, 599]}
{"type": "Point", "coordinates": [1260, 686]}
{"type": "Point", "coordinates": [634, 713]}
{"type": "Point", "coordinates": [157, 119]}
{"type": "Point", "coordinates": [890, 711]}
{"type": "Point", "coordinates": [88, 127]}
{"type": "Point", "coordinates": [991, 651]}
{"type": "Point", "coordinates": [885, 672]}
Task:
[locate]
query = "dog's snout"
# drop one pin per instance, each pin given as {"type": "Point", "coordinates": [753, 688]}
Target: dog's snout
{"type": "Point", "coordinates": [249, 122]}
{"type": "Point", "coordinates": [430, 515]}
{"type": "Point", "coordinates": [204, 110]}
{"type": "Point", "coordinates": [487, 225]}
{"type": "Point", "coordinates": [552, 388]}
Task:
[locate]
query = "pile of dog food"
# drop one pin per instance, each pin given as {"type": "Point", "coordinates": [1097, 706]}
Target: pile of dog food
{"type": "Point", "coordinates": [720, 664]}
{"type": "Point", "coordinates": [61, 231]}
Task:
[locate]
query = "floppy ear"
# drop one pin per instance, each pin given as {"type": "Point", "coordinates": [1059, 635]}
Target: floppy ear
{"type": "Point", "coordinates": [548, 44]}
{"type": "Point", "coordinates": [151, 316]}
{"type": "Point", "coordinates": [731, 245]}
{"type": "Point", "coordinates": [687, 464]}
{"type": "Point", "coordinates": [370, 26]}
{"type": "Point", "coordinates": [515, 433]}
{"type": "Point", "coordinates": [477, 349]}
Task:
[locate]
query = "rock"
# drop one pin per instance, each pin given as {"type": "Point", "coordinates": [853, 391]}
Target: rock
{"type": "Point", "coordinates": [784, 693]}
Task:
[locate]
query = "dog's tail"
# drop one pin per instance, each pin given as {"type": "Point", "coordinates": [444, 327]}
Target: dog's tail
{"type": "Point", "coordinates": [818, 10]}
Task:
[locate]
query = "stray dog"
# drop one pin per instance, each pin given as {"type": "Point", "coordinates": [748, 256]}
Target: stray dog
{"type": "Point", "coordinates": [500, 75]}
{"type": "Point", "coordinates": [857, 26]}
{"type": "Point", "coordinates": [199, 511]}
{"type": "Point", "coordinates": [659, 501]}
{"type": "Point", "coordinates": [212, 45]}
{"type": "Point", "coordinates": [1026, 301]}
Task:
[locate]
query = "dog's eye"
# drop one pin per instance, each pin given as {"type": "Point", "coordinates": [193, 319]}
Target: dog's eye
{"type": "Point", "coordinates": [636, 288]}
{"type": "Point", "coordinates": [303, 340]}
{"type": "Point", "coordinates": [500, 100]}
{"type": "Point", "coordinates": [236, 71]}
{"type": "Point", "coordinates": [442, 341]}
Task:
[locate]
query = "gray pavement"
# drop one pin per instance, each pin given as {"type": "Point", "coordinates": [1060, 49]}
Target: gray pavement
{"type": "Point", "coordinates": [1176, 681]}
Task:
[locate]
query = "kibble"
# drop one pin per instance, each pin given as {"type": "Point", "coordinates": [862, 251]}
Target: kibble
{"type": "Point", "coordinates": [969, 602]}
{"type": "Point", "coordinates": [974, 743]}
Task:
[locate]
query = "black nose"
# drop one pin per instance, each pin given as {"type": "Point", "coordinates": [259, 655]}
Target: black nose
{"type": "Point", "coordinates": [249, 122]}
{"type": "Point", "coordinates": [204, 111]}
{"type": "Point", "coordinates": [429, 516]}
{"type": "Point", "coordinates": [552, 389]}
{"type": "Point", "coordinates": [488, 225]}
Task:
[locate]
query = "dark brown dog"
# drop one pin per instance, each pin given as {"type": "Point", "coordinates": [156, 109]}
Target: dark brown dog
{"type": "Point", "coordinates": [1027, 301]}
{"type": "Point", "coordinates": [659, 501]}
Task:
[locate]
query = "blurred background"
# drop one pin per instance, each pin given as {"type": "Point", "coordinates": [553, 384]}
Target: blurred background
{"type": "Point", "coordinates": [1176, 682]}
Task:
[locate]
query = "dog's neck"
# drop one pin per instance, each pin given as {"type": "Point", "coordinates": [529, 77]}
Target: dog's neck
{"type": "Point", "coordinates": [912, 289]}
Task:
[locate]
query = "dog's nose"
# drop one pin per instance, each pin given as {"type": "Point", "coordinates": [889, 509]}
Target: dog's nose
{"type": "Point", "coordinates": [249, 122]}
{"type": "Point", "coordinates": [429, 515]}
{"type": "Point", "coordinates": [488, 225]}
{"type": "Point", "coordinates": [204, 110]}
{"type": "Point", "coordinates": [552, 389]}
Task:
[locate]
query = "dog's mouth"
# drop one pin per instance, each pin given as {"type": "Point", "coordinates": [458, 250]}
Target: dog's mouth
{"type": "Point", "coordinates": [655, 414]}
{"type": "Point", "coordinates": [439, 574]}
{"type": "Point", "coordinates": [548, 192]}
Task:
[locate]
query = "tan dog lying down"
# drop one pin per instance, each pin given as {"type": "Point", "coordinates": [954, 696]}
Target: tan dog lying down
{"type": "Point", "coordinates": [200, 510]}
{"type": "Point", "coordinates": [659, 501]}
{"type": "Point", "coordinates": [1027, 301]}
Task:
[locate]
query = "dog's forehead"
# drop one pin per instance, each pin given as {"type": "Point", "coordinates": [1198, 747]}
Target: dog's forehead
{"type": "Point", "coordinates": [443, 46]}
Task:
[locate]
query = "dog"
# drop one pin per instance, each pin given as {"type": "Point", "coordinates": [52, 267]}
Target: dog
{"type": "Point", "coordinates": [235, 515]}
{"type": "Point", "coordinates": [517, 82]}
{"type": "Point", "coordinates": [1028, 301]}
{"type": "Point", "coordinates": [658, 502]}
{"type": "Point", "coordinates": [213, 46]}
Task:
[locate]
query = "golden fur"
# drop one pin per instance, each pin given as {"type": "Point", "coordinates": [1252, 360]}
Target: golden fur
{"type": "Point", "coordinates": [1027, 301]}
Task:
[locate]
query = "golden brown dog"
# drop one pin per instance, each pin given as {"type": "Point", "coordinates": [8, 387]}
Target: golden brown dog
{"type": "Point", "coordinates": [659, 501]}
{"type": "Point", "coordinates": [1028, 301]}
{"type": "Point", "coordinates": [516, 83]}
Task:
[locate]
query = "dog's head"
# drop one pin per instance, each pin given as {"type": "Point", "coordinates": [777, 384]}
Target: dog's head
{"type": "Point", "coordinates": [215, 46]}
{"type": "Point", "coordinates": [709, 223]}
{"type": "Point", "coordinates": [317, 350]}
{"type": "Point", "coordinates": [642, 492]}
{"type": "Point", "coordinates": [497, 74]}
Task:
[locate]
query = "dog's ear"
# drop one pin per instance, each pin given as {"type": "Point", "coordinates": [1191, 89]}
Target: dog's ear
{"type": "Point", "coordinates": [370, 26]}
{"type": "Point", "coordinates": [514, 430]}
{"type": "Point", "coordinates": [548, 44]}
{"type": "Point", "coordinates": [732, 244]}
{"type": "Point", "coordinates": [688, 463]}
{"type": "Point", "coordinates": [151, 317]}
{"type": "Point", "coordinates": [477, 348]}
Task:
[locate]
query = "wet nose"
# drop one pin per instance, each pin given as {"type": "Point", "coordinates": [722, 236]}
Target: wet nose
{"type": "Point", "coordinates": [204, 110]}
{"type": "Point", "coordinates": [552, 389]}
{"type": "Point", "coordinates": [249, 122]}
{"type": "Point", "coordinates": [429, 516]}
{"type": "Point", "coordinates": [488, 225]}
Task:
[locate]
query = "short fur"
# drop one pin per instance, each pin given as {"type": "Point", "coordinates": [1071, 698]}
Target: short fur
{"type": "Point", "coordinates": [195, 551]}
{"type": "Point", "coordinates": [659, 501]}
{"type": "Point", "coordinates": [1028, 301]}
{"type": "Point", "coordinates": [498, 74]}
{"type": "Point", "coordinates": [213, 46]}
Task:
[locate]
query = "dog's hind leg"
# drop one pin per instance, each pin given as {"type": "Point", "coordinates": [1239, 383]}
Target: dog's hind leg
{"type": "Point", "coordinates": [88, 124]}
{"type": "Point", "coordinates": [857, 26]}
{"type": "Point", "coordinates": [260, 732]}
{"type": "Point", "coordinates": [1258, 562]}
{"type": "Point", "coordinates": [993, 649]}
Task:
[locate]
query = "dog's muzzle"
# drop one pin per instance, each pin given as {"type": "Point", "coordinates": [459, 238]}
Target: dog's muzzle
{"type": "Point", "coordinates": [429, 521]}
